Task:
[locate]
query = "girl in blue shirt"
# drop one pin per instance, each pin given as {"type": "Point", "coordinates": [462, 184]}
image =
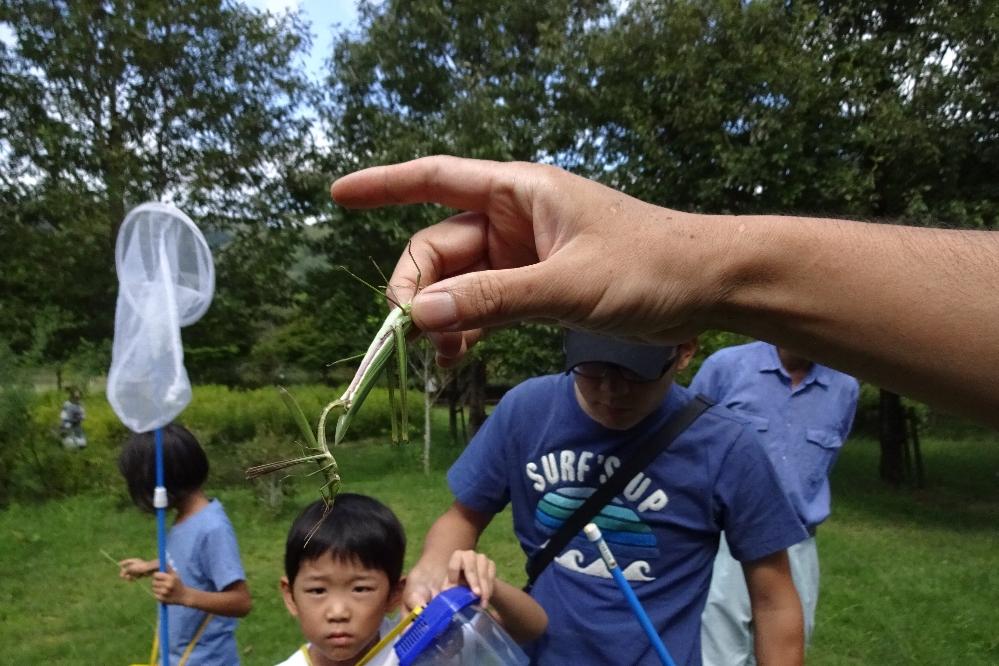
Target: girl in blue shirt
{"type": "Point", "coordinates": [204, 582]}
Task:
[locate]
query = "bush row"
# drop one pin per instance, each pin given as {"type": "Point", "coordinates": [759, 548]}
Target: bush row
{"type": "Point", "coordinates": [238, 428]}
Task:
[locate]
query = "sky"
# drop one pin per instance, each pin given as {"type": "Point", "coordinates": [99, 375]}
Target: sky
{"type": "Point", "coordinates": [326, 17]}
{"type": "Point", "coordinates": [323, 15]}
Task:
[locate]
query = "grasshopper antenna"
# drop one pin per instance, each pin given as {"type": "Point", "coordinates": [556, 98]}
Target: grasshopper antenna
{"type": "Point", "coordinates": [419, 273]}
{"type": "Point", "coordinates": [391, 296]}
{"type": "Point", "coordinates": [368, 285]}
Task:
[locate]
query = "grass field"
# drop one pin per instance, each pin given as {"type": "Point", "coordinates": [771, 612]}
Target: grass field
{"type": "Point", "coordinates": [909, 577]}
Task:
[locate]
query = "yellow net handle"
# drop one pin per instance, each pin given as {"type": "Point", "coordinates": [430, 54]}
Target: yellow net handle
{"type": "Point", "coordinates": [390, 636]}
{"type": "Point", "coordinates": [187, 651]}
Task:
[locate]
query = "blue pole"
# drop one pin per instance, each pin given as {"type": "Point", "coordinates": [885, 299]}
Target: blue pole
{"type": "Point", "coordinates": [593, 534]}
{"type": "Point", "coordinates": [160, 503]}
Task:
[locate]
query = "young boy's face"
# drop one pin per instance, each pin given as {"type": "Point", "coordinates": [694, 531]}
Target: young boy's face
{"type": "Point", "coordinates": [340, 606]}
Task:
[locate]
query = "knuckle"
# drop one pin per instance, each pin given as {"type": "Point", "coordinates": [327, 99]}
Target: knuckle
{"type": "Point", "coordinates": [489, 296]}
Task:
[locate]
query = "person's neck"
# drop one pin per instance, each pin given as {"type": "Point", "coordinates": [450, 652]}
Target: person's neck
{"type": "Point", "coordinates": [191, 504]}
{"type": "Point", "coordinates": [796, 367]}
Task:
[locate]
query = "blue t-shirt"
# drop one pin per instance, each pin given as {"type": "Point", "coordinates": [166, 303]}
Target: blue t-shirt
{"type": "Point", "coordinates": [540, 452]}
{"type": "Point", "coordinates": [802, 428]}
{"type": "Point", "coordinates": [203, 551]}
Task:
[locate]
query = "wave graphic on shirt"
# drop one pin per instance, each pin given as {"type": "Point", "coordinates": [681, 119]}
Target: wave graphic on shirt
{"type": "Point", "coordinates": [624, 531]}
{"type": "Point", "coordinates": [575, 561]}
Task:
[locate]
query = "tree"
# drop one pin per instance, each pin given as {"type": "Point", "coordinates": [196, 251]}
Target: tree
{"type": "Point", "coordinates": [922, 99]}
{"type": "Point", "coordinates": [476, 79]}
{"type": "Point", "coordinates": [110, 103]}
{"type": "Point", "coordinates": [883, 110]}
{"type": "Point", "coordinates": [432, 380]}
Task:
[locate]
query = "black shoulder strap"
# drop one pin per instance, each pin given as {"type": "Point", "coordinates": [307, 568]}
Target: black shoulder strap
{"type": "Point", "coordinates": [644, 454]}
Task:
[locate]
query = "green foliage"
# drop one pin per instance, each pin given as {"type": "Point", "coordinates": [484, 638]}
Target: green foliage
{"type": "Point", "coordinates": [15, 407]}
{"type": "Point", "coordinates": [707, 344]}
{"type": "Point", "coordinates": [109, 104]}
{"type": "Point", "coordinates": [238, 428]}
{"type": "Point", "coordinates": [33, 463]}
{"type": "Point", "coordinates": [852, 109]}
{"type": "Point", "coordinates": [846, 109]}
{"type": "Point", "coordinates": [523, 351]}
{"type": "Point", "coordinates": [437, 77]}
{"type": "Point", "coordinates": [869, 405]}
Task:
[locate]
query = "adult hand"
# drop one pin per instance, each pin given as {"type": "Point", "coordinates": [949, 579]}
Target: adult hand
{"type": "Point", "coordinates": [537, 242]}
{"type": "Point", "coordinates": [908, 309]}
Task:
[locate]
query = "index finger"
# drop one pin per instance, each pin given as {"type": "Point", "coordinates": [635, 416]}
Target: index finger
{"type": "Point", "coordinates": [456, 182]}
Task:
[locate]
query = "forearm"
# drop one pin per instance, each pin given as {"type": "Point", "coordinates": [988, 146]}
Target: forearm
{"type": "Point", "coordinates": [778, 622]}
{"type": "Point", "coordinates": [234, 601]}
{"type": "Point", "coordinates": [897, 306]}
{"type": "Point", "coordinates": [521, 616]}
{"type": "Point", "coordinates": [454, 530]}
{"type": "Point", "coordinates": [457, 529]}
{"type": "Point", "coordinates": [779, 635]}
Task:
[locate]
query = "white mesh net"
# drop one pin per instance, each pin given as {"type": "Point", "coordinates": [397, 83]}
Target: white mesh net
{"type": "Point", "coordinates": [166, 279]}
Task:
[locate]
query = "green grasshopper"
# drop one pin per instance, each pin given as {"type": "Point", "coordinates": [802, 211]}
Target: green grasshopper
{"type": "Point", "coordinates": [390, 337]}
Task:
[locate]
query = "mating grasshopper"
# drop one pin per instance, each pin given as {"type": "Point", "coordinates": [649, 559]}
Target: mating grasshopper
{"type": "Point", "coordinates": [390, 337]}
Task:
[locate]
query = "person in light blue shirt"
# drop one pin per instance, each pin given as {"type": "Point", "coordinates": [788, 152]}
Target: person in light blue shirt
{"type": "Point", "coordinates": [204, 585]}
{"type": "Point", "coordinates": [802, 413]}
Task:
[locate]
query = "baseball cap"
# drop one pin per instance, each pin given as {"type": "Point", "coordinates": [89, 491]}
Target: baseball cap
{"type": "Point", "coordinates": [647, 361]}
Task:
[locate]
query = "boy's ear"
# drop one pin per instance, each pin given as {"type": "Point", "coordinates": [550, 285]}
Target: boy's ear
{"type": "Point", "coordinates": [395, 596]}
{"type": "Point", "coordinates": [289, 598]}
{"type": "Point", "coordinates": [685, 352]}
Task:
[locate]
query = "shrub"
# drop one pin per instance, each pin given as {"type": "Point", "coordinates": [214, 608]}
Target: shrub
{"type": "Point", "coordinates": [238, 428]}
{"type": "Point", "coordinates": [15, 409]}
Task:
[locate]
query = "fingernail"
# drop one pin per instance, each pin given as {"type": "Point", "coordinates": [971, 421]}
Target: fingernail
{"type": "Point", "coordinates": [437, 310]}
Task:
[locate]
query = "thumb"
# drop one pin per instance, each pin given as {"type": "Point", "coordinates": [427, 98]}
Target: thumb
{"type": "Point", "coordinates": [491, 298]}
{"type": "Point", "coordinates": [418, 596]}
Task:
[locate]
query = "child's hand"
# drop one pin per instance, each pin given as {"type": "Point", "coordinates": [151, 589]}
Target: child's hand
{"type": "Point", "coordinates": [474, 569]}
{"type": "Point", "coordinates": [135, 567]}
{"type": "Point", "coordinates": [421, 587]}
{"type": "Point", "coordinates": [169, 588]}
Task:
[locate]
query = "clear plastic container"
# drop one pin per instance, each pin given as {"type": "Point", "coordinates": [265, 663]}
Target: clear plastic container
{"type": "Point", "coordinates": [453, 630]}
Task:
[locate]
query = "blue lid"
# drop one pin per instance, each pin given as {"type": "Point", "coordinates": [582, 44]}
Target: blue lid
{"type": "Point", "coordinates": [431, 623]}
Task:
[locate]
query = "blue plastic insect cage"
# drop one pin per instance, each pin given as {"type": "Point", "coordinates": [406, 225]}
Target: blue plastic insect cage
{"type": "Point", "coordinates": [454, 630]}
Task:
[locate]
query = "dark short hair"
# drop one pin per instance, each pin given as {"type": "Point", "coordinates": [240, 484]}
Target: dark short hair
{"type": "Point", "coordinates": [355, 528]}
{"type": "Point", "coordinates": [185, 465]}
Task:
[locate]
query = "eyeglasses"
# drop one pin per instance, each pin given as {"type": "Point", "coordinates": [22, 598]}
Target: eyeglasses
{"type": "Point", "coordinates": [599, 370]}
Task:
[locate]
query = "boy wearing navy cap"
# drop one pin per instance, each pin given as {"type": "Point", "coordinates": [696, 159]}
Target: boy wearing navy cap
{"type": "Point", "coordinates": [553, 440]}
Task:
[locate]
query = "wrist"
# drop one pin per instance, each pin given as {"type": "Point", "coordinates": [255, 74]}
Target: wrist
{"type": "Point", "coordinates": [699, 263]}
{"type": "Point", "coordinates": [428, 573]}
{"type": "Point", "coordinates": [751, 259]}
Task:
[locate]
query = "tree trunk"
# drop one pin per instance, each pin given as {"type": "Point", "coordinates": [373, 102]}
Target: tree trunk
{"type": "Point", "coordinates": [428, 399]}
{"type": "Point", "coordinates": [454, 408]}
{"type": "Point", "coordinates": [917, 455]}
{"type": "Point", "coordinates": [476, 395]}
{"type": "Point", "coordinates": [893, 438]}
